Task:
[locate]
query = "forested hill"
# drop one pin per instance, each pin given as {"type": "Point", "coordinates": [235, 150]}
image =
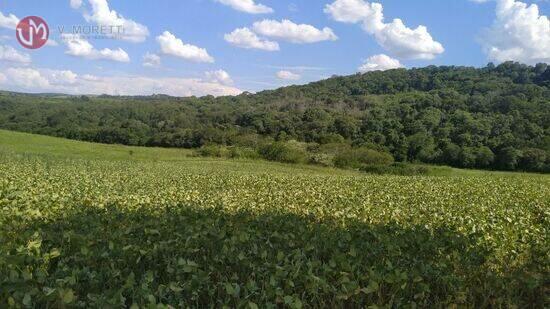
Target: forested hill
{"type": "Point", "coordinates": [495, 117]}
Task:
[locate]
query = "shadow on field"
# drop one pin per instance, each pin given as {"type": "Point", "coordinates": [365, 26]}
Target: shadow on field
{"type": "Point", "coordinates": [184, 257]}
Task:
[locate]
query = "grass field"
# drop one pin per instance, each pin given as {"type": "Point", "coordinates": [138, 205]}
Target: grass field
{"type": "Point", "coordinates": [86, 225]}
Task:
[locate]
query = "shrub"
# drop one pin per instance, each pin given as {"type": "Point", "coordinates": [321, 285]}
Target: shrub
{"type": "Point", "coordinates": [243, 153]}
{"type": "Point", "coordinates": [359, 157]}
{"type": "Point", "coordinates": [322, 159]}
{"type": "Point", "coordinates": [331, 138]}
{"type": "Point", "coordinates": [282, 152]}
{"type": "Point", "coordinates": [533, 159]}
{"type": "Point", "coordinates": [213, 151]}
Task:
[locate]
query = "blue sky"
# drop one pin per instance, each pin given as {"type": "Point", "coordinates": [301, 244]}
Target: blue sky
{"type": "Point", "coordinates": [321, 38]}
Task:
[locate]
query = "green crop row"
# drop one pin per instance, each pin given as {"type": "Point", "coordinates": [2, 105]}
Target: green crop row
{"type": "Point", "coordinates": [77, 233]}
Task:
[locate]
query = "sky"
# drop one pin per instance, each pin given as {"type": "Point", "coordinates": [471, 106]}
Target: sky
{"type": "Point", "coordinates": [225, 47]}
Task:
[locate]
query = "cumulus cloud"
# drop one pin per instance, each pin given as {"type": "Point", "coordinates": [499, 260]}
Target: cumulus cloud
{"type": "Point", "coordinates": [63, 77]}
{"type": "Point", "coordinates": [171, 45]}
{"type": "Point", "coordinates": [79, 47]}
{"type": "Point", "coordinates": [248, 6]}
{"type": "Point", "coordinates": [380, 63]}
{"type": "Point", "coordinates": [519, 33]}
{"type": "Point", "coordinates": [151, 60]}
{"type": "Point", "coordinates": [27, 78]}
{"type": "Point", "coordinates": [102, 15]}
{"type": "Point", "coordinates": [45, 80]}
{"type": "Point", "coordinates": [287, 75]}
{"type": "Point", "coordinates": [219, 76]}
{"type": "Point", "coordinates": [296, 33]}
{"type": "Point", "coordinates": [8, 53]}
{"type": "Point", "coordinates": [245, 38]}
{"type": "Point", "coordinates": [349, 11]}
{"type": "Point", "coordinates": [394, 37]}
{"type": "Point", "coordinates": [8, 21]}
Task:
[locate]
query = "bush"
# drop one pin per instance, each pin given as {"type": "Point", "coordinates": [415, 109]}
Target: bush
{"type": "Point", "coordinates": [331, 138]}
{"type": "Point", "coordinates": [533, 159]}
{"type": "Point", "coordinates": [321, 159]}
{"type": "Point", "coordinates": [243, 153]}
{"type": "Point", "coordinates": [401, 169]}
{"type": "Point", "coordinates": [360, 157]}
{"type": "Point", "coordinates": [282, 152]}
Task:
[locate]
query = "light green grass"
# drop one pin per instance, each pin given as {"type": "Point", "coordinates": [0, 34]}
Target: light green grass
{"type": "Point", "coordinates": [24, 143]}
{"type": "Point", "coordinates": [17, 143]}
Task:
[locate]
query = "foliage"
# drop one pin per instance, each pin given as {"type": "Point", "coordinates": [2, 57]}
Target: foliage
{"type": "Point", "coordinates": [495, 117]}
{"type": "Point", "coordinates": [399, 169]}
{"type": "Point", "coordinates": [360, 157]}
{"type": "Point", "coordinates": [282, 152]}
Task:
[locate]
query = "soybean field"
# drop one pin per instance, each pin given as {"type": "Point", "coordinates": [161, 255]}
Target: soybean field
{"type": "Point", "coordinates": [85, 225]}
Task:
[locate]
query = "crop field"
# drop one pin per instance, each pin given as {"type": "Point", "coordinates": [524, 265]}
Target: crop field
{"type": "Point", "coordinates": [156, 228]}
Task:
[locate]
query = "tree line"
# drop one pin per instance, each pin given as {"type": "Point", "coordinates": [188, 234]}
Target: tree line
{"type": "Point", "coordinates": [496, 117]}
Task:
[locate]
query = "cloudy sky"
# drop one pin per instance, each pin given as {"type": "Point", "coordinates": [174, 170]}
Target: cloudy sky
{"type": "Point", "coordinates": [224, 47]}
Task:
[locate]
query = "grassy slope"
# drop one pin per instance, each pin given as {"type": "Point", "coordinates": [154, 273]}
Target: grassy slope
{"type": "Point", "coordinates": [32, 144]}
{"type": "Point", "coordinates": [53, 147]}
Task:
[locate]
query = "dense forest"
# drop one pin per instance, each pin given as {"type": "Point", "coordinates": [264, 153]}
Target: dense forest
{"type": "Point", "coordinates": [495, 117]}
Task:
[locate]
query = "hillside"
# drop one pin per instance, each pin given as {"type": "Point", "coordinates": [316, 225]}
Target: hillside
{"type": "Point", "coordinates": [490, 118]}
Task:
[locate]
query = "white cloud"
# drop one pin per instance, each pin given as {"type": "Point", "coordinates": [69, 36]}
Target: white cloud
{"type": "Point", "coordinates": [171, 45]}
{"type": "Point", "coordinates": [349, 11]}
{"type": "Point", "coordinates": [102, 15]}
{"type": "Point", "coordinates": [8, 53]}
{"type": "Point", "coordinates": [408, 43]}
{"type": "Point", "coordinates": [27, 78]}
{"type": "Point", "coordinates": [295, 33]}
{"type": "Point", "coordinates": [247, 6]}
{"type": "Point", "coordinates": [79, 47]}
{"type": "Point", "coordinates": [64, 77]}
{"type": "Point", "coordinates": [45, 80]}
{"type": "Point", "coordinates": [287, 75]}
{"type": "Point", "coordinates": [8, 21]}
{"type": "Point", "coordinates": [245, 38]}
{"type": "Point", "coordinates": [395, 37]}
{"type": "Point", "coordinates": [519, 33]}
{"type": "Point", "coordinates": [76, 4]}
{"type": "Point", "coordinates": [151, 60]}
{"type": "Point", "coordinates": [219, 76]}
{"type": "Point", "coordinates": [380, 63]}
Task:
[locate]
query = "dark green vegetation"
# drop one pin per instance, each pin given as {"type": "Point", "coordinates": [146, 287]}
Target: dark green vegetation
{"type": "Point", "coordinates": [489, 118]}
{"type": "Point", "coordinates": [84, 225]}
